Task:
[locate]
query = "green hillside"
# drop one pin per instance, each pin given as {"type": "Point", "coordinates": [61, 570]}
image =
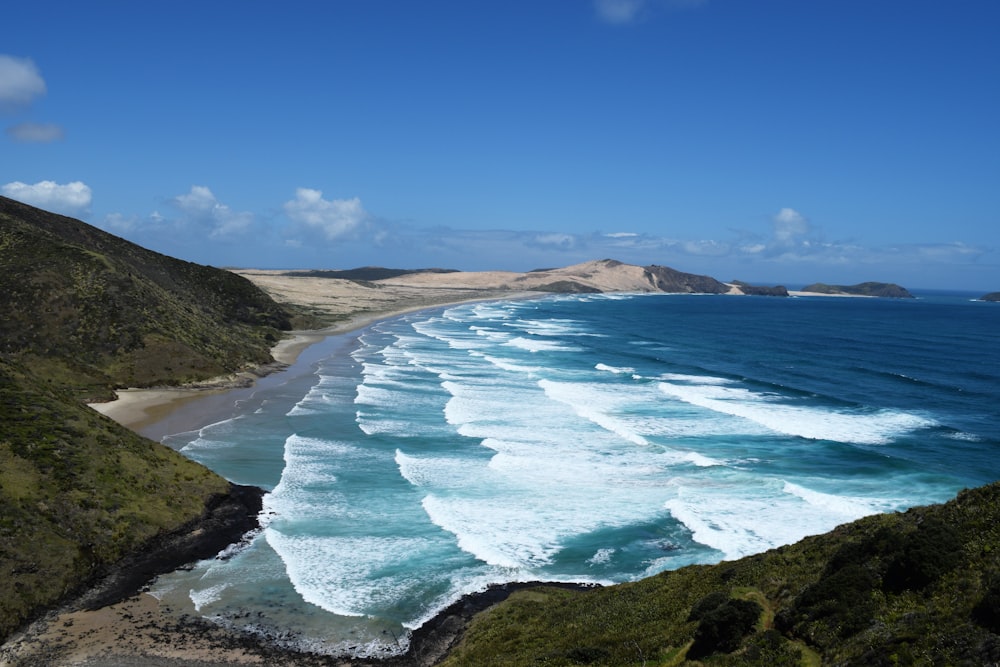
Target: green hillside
{"type": "Point", "coordinates": [920, 587]}
{"type": "Point", "coordinates": [92, 310]}
{"type": "Point", "coordinates": [83, 312]}
{"type": "Point", "coordinates": [78, 492]}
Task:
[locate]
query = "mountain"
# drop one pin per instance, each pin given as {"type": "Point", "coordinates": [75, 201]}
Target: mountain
{"type": "Point", "coordinates": [888, 290]}
{"type": "Point", "coordinates": [83, 312]}
{"type": "Point", "coordinates": [920, 587]}
{"type": "Point", "coordinates": [97, 312]}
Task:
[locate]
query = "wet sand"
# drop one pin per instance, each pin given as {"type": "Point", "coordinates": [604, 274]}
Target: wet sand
{"type": "Point", "coordinates": [354, 306]}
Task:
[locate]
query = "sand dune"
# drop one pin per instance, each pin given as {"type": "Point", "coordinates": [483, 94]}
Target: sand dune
{"type": "Point", "coordinates": [340, 297]}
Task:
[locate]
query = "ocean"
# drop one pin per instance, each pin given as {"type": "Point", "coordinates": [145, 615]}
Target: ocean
{"type": "Point", "coordinates": [583, 438]}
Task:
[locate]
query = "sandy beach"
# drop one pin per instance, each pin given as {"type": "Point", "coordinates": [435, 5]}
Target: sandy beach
{"type": "Point", "coordinates": [352, 305]}
{"type": "Point", "coordinates": [140, 630]}
{"type": "Point", "coordinates": [355, 304]}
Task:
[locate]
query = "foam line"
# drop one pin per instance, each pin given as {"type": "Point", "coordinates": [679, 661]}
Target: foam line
{"type": "Point", "coordinates": [814, 423]}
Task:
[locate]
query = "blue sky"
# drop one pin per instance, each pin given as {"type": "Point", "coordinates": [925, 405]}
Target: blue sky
{"type": "Point", "coordinates": [774, 141]}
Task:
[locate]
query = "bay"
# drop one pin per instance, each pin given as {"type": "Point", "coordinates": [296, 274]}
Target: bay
{"type": "Point", "coordinates": [584, 438]}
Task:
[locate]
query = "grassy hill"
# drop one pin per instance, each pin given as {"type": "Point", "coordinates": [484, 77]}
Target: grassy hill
{"type": "Point", "coordinates": [78, 492]}
{"type": "Point", "coordinates": [92, 311]}
{"type": "Point", "coordinates": [83, 312]}
{"type": "Point", "coordinates": [920, 587]}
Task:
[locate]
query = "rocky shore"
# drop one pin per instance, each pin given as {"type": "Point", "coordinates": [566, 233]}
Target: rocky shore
{"type": "Point", "coordinates": [115, 624]}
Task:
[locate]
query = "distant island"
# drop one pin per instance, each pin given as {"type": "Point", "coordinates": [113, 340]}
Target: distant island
{"type": "Point", "coordinates": [884, 290]}
{"type": "Point", "coordinates": [992, 296]}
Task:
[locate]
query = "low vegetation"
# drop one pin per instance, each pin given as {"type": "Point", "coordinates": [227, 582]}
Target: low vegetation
{"type": "Point", "coordinates": [885, 290]}
{"type": "Point", "coordinates": [920, 587]}
{"type": "Point", "coordinates": [78, 492]}
{"type": "Point", "coordinates": [759, 290]}
{"type": "Point", "coordinates": [93, 311]}
{"type": "Point", "coordinates": [85, 312]}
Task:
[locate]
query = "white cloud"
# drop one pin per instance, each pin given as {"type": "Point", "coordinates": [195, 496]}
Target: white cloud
{"type": "Point", "coordinates": [618, 11]}
{"type": "Point", "coordinates": [622, 12]}
{"type": "Point", "coordinates": [555, 241]}
{"type": "Point", "coordinates": [621, 235]}
{"type": "Point", "coordinates": [70, 199]}
{"type": "Point", "coordinates": [35, 133]}
{"type": "Point", "coordinates": [201, 206]}
{"type": "Point", "coordinates": [703, 247]}
{"type": "Point", "coordinates": [788, 224]}
{"type": "Point", "coordinates": [335, 218]}
{"type": "Point", "coordinates": [940, 252]}
{"type": "Point", "coordinates": [20, 82]}
{"type": "Point", "coordinates": [199, 202]}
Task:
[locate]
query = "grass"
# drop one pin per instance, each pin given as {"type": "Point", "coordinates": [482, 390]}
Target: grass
{"type": "Point", "coordinates": [97, 312]}
{"type": "Point", "coordinates": [85, 312]}
{"type": "Point", "coordinates": [78, 492]}
{"type": "Point", "coordinates": [831, 599]}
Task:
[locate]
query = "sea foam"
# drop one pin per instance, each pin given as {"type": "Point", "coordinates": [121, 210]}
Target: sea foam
{"type": "Point", "coordinates": [866, 427]}
{"type": "Point", "coordinates": [577, 438]}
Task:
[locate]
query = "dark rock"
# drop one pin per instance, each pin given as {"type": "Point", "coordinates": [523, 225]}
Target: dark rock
{"type": "Point", "coordinates": [225, 521]}
{"type": "Point", "coordinates": [665, 279]}
{"type": "Point", "coordinates": [760, 290]}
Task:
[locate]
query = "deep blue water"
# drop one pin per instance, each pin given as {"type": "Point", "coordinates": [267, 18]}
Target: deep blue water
{"type": "Point", "coordinates": [586, 438]}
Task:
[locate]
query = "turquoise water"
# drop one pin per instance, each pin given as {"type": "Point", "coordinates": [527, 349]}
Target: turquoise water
{"type": "Point", "coordinates": [584, 438]}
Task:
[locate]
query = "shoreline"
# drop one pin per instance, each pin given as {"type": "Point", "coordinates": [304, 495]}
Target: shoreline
{"type": "Point", "coordinates": [139, 409]}
{"type": "Point", "coordinates": [116, 622]}
{"type": "Point", "coordinates": [142, 630]}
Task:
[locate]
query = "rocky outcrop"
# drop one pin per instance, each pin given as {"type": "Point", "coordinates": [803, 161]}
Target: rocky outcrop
{"type": "Point", "coordinates": [665, 279]}
{"type": "Point", "coordinates": [227, 518]}
{"type": "Point", "coordinates": [759, 290]}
